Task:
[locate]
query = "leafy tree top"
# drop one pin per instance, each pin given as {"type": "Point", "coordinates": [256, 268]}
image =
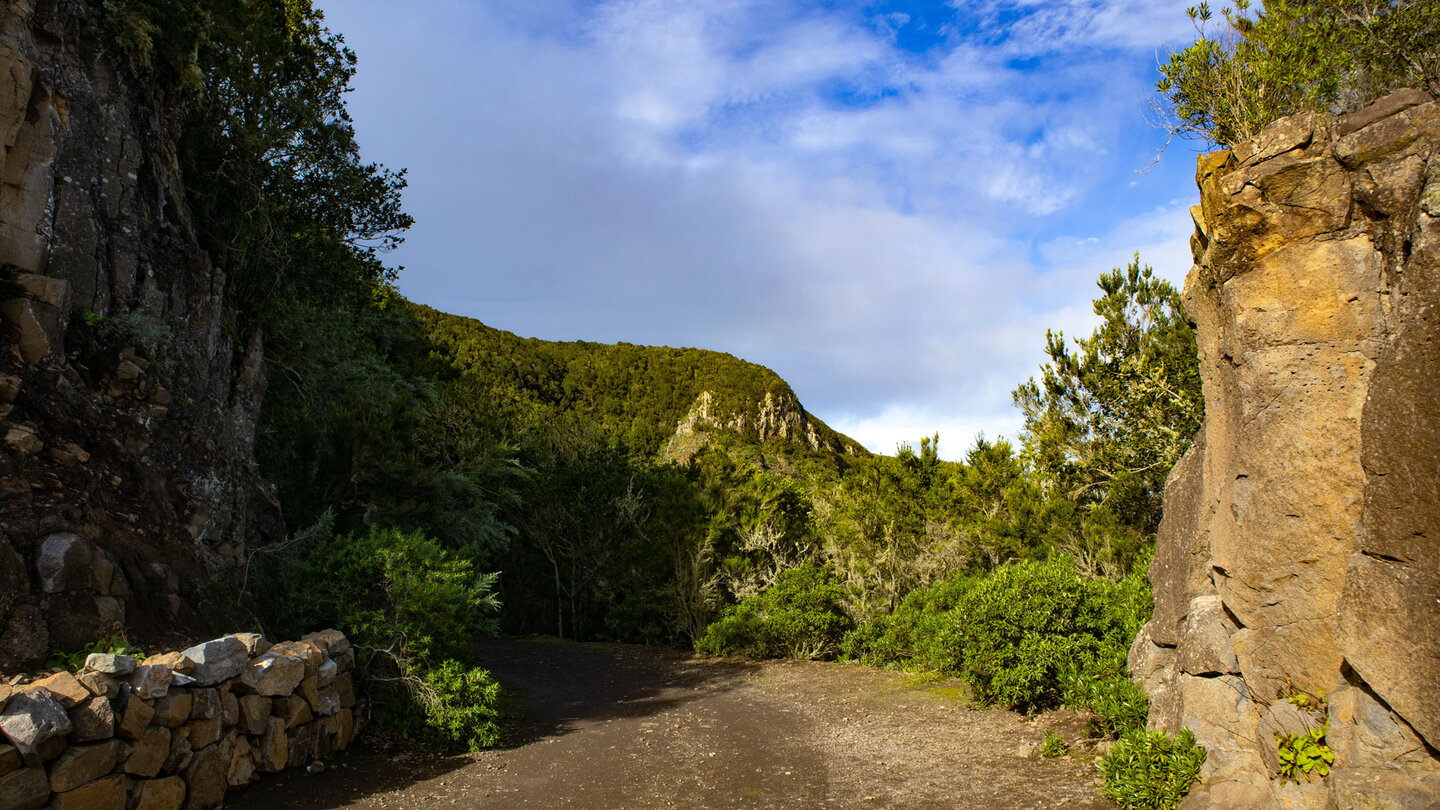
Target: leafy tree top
{"type": "Point", "coordinates": [1295, 55]}
{"type": "Point", "coordinates": [1112, 414]}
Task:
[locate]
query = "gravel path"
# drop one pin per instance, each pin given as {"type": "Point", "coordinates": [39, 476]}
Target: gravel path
{"type": "Point", "coordinates": [617, 726]}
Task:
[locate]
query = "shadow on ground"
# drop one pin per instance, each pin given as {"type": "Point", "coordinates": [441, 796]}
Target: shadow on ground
{"type": "Point", "coordinates": [555, 686]}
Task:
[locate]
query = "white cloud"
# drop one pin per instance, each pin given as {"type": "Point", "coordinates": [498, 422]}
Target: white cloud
{"type": "Point", "coordinates": [684, 173]}
{"type": "Point", "coordinates": [1035, 27]}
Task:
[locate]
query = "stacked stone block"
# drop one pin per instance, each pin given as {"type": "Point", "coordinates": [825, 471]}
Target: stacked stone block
{"type": "Point", "coordinates": [175, 730]}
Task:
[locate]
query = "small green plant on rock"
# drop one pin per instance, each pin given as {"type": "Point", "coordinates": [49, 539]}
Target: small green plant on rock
{"type": "Point", "coordinates": [1053, 745]}
{"type": "Point", "coordinates": [112, 645]}
{"type": "Point", "coordinates": [142, 329]}
{"type": "Point", "coordinates": [1147, 770]}
{"type": "Point", "coordinates": [1305, 755]}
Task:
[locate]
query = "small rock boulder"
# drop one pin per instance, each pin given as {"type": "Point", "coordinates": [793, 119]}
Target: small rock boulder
{"type": "Point", "coordinates": [93, 720]}
{"type": "Point", "coordinates": [206, 777]}
{"type": "Point", "coordinates": [218, 660]}
{"type": "Point", "coordinates": [110, 664]}
{"type": "Point", "coordinates": [150, 682]}
{"type": "Point", "coordinates": [25, 789]}
{"type": "Point", "coordinates": [161, 794]}
{"type": "Point", "coordinates": [83, 763]}
{"type": "Point", "coordinates": [31, 719]}
{"type": "Point", "coordinates": [273, 674]}
{"type": "Point", "coordinates": [331, 642]}
{"type": "Point", "coordinates": [64, 687]}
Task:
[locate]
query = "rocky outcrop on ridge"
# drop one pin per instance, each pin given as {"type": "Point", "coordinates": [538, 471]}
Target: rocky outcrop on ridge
{"type": "Point", "coordinates": [127, 407]}
{"type": "Point", "coordinates": [1300, 549]}
{"type": "Point", "coordinates": [774, 417]}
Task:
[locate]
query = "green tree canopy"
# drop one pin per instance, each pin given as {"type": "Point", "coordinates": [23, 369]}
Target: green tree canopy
{"type": "Point", "coordinates": [1112, 414]}
{"type": "Point", "coordinates": [1296, 55]}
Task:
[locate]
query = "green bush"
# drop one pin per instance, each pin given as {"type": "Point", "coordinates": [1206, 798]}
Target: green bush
{"type": "Point", "coordinates": [463, 705]}
{"type": "Point", "coordinates": [1146, 770]}
{"type": "Point", "coordinates": [801, 615]}
{"type": "Point", "coordinates": [396, 592]}
{"type": "Point", "coordinates": [1030, 627]}
{"type": "Point", "coordinates": [1030, 636]}
{"type": "Point", "coordinates": [411, 608]}
{"type": "Point", "coordinates": [916, 635]}
{"type": "Point", "coordinates": [1116, 703]}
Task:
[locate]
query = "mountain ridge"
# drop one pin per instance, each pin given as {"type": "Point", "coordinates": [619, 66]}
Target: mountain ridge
{"type": "Point", "coordinates": [654, 400]}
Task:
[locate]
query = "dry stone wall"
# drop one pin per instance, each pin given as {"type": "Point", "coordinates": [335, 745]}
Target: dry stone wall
{"type": "Point", "coordinates": [175, 730]}
{"type": "Point", "coordinates": [1300, 549]}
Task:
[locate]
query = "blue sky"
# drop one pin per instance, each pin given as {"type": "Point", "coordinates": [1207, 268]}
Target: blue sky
{"type": "Point", "coordinates": [886, 202]}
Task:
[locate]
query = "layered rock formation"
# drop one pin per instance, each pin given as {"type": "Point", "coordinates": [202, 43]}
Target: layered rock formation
{"type": "Point", "coordinates": [127, 408]}
{"type": "Point", "coordinates": [1300, 550]}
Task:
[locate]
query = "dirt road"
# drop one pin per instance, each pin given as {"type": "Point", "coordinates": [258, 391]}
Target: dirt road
{"type": "Point", "coordinates": [615, 726]}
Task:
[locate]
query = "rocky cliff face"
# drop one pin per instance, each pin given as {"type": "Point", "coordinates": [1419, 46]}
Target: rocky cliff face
{"type": "Point", "coordinates": [1300, 549]}
{"type": "Point", "coordinates": [774, 417]}
{"type": "Point", "coordinates": [127, 409]}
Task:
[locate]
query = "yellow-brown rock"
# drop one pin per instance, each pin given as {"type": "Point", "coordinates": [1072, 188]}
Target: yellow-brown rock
{"type": "Point", "coordinates": [205, 778]}
{"type": "Point", "coordinates": [204, 732]}
{"type": "Point", "coordinates": [173, 709]}
{"type": "Point", "coordinates": [149, 753]}
{"type": "Point", "coordinates": [254, 714]}
{"type": "Point", "coordinates": [24, 789]}
{"type": "Point", "coordinates": [103, 794]}
{"type": "Point", "coordinates": [308, 652]}
{"type": "Point", "coordinates": [161, 794]}
{"type": "Point", "coordinates": [83, 763]}
{"type": "Point", "coordinates": [133, 721]}
{"type": "Point", "coordinates": [64, 688]}
{"type": "Point", "coordinates": [1298, 549]}
{"type": "Point", "coordinates": [274, 747]}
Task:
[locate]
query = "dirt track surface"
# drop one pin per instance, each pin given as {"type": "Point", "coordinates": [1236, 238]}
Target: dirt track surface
{"type": "Point", "coordinates": [616, 726]}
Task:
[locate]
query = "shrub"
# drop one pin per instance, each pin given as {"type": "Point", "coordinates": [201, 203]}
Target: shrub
{"type": "Point", "coordinates": [1146, 770]}
{"type": "Point", "coordinates": [1102, 684]}
{"type": "Point", "coordinates": [397, 593]}
{"type": "Point", "coordinates": [801, 615]}
{"type": "Point", "coordinates": [1030, 636]}
{"type": "Point", "coordinates": [1116, 703]}
{"type": "Point", "coordinates": [917, 634]}
{"type": "Point", "coordinates": [462, 704]}
{"type": "Point", "coordinates": [411, 608]}
{"type": "Point", "coordinates": [1028, 628]}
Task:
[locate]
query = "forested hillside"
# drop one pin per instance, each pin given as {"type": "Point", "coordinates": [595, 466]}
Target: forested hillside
{"type": "Point", "coordinates": [635, 396]}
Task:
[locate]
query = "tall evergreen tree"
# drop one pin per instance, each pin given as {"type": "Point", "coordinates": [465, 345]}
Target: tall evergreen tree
{"type": "Point", "coordinates": [1112, 413]}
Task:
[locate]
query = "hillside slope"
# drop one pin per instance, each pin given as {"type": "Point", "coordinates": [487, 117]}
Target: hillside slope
{"type": "Point", "coordinates": [649, 399]}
